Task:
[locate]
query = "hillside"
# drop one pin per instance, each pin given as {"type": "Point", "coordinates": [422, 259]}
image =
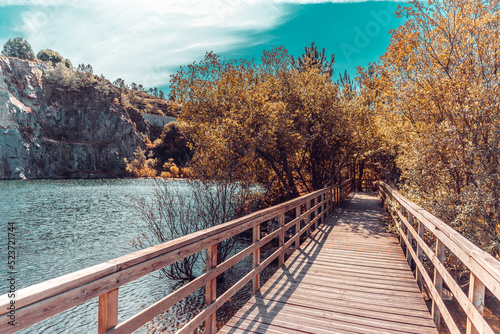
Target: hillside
{"type": "Point", "coordinates": [58, 123]}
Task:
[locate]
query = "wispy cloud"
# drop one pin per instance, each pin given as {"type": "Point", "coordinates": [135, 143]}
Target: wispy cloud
{"type": "Point", "coordinates": [144, 41]}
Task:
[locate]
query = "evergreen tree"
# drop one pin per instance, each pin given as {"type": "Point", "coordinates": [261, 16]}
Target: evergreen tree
{"type": "Point", "coordinates": [18, 48]}
{"type": "Point", "coordinates": [312, 58]}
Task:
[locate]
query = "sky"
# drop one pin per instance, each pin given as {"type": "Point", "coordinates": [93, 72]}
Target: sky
{"type": "Point", "coordinates": [147, 41]}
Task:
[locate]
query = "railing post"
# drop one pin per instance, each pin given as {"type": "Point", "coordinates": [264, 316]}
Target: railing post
{"type": "Point", "coordinates": [316, 212]}
{"type": "Point", "coordinates": [298, 212]}
{"type": "Point", "coordinates": [281, 258]}
{"type": "Point", "coordinates": [308, 219]}
{"type": "Point", "coordinates": [401, 240]}
{"type": "Point", "coordinates": [420, 254]}
{"type": "Point", "coordinates": [330, 202]}
{"type": "Point", "coordinates": [438, 283]}
{"type": "Point", "coordinates": [476, 296]}
{"type": "Point", "coordinates": [108, 311]}
{"type": "Point", "coordinates": [256, 258]}
{"type": "Point", "coordinates": [211, 289]}
{"type": "Point", "coordinates": [410, 238]}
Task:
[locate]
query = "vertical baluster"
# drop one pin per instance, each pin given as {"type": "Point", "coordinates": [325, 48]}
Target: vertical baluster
{"type": "Point", "coordinates": [330, 201]}
{"type": "Point", "coordinates": [476, 296]}
{"type": "Point", "coordinates": [298, 211]}
{"type": "Point", "coordinates": [438, 283]}
{"type": "Point", "coordinates": [308, 216]}
{"type": "Point", "coordinates": [281, 258]}
{"type": "Point", "coordinates": [410, 238]}
{"type": "Point", "coordinates": [317, 201]}
{"type": "Point", "coordinates": [256, 258]}
{"type": "Point", "coordinates": [420, 254]}
{"type": "Point", "coordinates": [211, 289]}
{"type": "Point", "coordinates": [108, 311]}
{"type": "Point", "coordinates": [402, 231]}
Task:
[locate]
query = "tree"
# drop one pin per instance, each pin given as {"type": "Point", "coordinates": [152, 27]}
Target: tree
{"type": "Point", "coordinates": [119, 83]}
{"type": "Point", "coordinates": [440, 85]}
{"type": "Point", "coordinates": [82, 68]}
{"type": "Point", "coordinates": [173, 213]}
{"type": "Point", "coordinates": [312, 58]}
{"type": "Point", "coordinates": [18, 48]}
{"type": "Point", "coordinates": [269, 124]}
{"type": "Point", "coordinates": [142, 166]}
{"type": "Point", "coordinates": [53, 57]}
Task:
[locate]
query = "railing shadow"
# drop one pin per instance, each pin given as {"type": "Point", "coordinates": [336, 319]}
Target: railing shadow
{"type": "Point", "coordinates": [365, 220]}
{"type": "Point", "coordinates": [275, 296]}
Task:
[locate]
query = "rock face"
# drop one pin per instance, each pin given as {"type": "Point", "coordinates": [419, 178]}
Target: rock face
{"type": "Point", "coordinates": [48, 132]}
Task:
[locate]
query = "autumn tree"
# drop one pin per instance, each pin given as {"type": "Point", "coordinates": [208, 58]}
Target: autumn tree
{"type": "Point", "coordinates": [18, 48]}
{"type": "Point", "coordinates": [269, 124]}
{"type": "Point", "coordinates": [440, 105]}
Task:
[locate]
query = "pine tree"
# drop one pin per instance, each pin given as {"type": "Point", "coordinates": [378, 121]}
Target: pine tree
{"type": "Point", "coordinates": [18, 48]}
{"type": "Point", "coordinates": [311, 57]}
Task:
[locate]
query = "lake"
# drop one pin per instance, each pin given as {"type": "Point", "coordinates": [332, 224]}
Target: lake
{"type": "Point", "coordinates": [67, 225]}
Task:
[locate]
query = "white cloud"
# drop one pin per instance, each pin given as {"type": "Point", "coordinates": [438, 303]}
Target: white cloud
{"type": "Point", "coordinates": [142, 41]}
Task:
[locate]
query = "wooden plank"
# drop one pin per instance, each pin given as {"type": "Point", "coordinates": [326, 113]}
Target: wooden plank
{"type": "Point", "coordinates": [323, 313]}
{"type": "Point", "coordinates": [327, 280]}
{"type": "Point", "coordinates": [355, 306]}
{"type": "Point", "coordinates": [316, 322]}
{"type": "Point", "coordinates": [108, 311]}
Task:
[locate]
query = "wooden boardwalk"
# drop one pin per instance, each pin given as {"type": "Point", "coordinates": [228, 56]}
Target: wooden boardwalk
{"type": "Point", "coordinates": [350, 277]}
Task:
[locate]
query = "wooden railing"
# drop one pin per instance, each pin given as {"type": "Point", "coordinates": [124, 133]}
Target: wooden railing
{"type": "Point", "coordinates": [46, 299]}
{"type": "Point", "coordinates": [412, 223]}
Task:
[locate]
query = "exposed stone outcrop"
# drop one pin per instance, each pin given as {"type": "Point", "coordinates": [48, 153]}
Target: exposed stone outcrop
{"type": "Point", "coordinates": [49, 132]}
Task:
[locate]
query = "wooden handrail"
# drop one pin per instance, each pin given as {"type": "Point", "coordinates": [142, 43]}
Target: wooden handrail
{"type": "Point", "coordinates": [484, 269]}
{"type": "Point", "coordinates": [46, 299]}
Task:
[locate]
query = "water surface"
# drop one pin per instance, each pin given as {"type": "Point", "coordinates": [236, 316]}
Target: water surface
{"type": "Point", "coordinates": [67, 225]}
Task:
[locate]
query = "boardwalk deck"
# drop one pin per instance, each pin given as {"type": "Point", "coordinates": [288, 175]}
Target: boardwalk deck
{"type": "Point", "coordinates": [350, 277]}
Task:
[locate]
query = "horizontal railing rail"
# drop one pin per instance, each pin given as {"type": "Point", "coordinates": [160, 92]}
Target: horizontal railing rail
{"type": "Point", "coordinates": [412, 223]}
{"type": "Point", "coordinates": [44, 300]}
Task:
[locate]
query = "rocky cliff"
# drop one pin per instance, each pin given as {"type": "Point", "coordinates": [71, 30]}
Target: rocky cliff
{"type": "Point", "coordinates": [51, 129]}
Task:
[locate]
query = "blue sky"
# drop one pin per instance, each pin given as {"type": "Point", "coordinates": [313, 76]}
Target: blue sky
{"type": "Point", "coordinates": [146, 41]}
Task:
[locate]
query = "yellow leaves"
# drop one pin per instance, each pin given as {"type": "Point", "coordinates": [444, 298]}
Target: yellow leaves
{"type": "Point", "coordinates": [439, 104]}
{"type": "Point", "coordinates": [262, 123]}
